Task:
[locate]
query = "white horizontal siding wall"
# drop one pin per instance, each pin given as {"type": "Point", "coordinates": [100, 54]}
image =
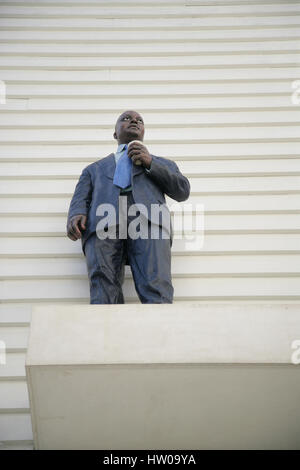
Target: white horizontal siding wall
{"type": "Point", "coordinates": [213, 81]}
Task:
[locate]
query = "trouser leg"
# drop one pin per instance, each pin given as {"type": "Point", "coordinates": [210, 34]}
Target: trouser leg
{"type": "Point", "coordinates": [106, 266]}
{"type": "Point", "coordinates": [149, 259]}
{"type": "Point", "coordinates": [150, 262]}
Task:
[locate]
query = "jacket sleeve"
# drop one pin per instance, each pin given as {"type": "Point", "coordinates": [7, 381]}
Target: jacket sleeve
{"type": "Point", "coordinates": [169, 178]}
{"type": "Point", "coordinates": [82, 195]}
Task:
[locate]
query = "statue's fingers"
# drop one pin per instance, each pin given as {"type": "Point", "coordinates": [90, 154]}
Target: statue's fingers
{"type": "Point", "coordinates": [82, 222]}
{"type": "Point", "coordinates": [75, 230]}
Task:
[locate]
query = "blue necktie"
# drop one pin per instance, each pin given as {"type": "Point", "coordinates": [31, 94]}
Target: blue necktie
{"type": "Point", "coordinates": [122, 176]}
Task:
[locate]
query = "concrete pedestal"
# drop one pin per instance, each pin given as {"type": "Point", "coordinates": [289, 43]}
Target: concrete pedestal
{"type": "Point", "coordinates": [182, 376]}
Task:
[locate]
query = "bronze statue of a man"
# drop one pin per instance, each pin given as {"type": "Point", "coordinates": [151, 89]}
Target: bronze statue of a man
{"type": "Point", "coordinates": [130, 178]}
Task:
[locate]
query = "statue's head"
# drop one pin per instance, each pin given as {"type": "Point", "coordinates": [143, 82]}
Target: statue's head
{"type": "Point", "coordinates": [129, 126]}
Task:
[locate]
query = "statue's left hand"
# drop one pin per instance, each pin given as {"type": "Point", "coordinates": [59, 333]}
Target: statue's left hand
{"type": "Point", "coordinates": [75, 225]}
{"type": "Point", "coordinates": [138, 151]}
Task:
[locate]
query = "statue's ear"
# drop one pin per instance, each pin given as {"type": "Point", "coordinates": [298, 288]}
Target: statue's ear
{"type": "Point", "coordinates": [115, 135]}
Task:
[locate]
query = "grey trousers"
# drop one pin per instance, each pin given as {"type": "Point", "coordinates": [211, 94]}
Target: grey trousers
{"type": "Point", "coordinates": [149, 260]}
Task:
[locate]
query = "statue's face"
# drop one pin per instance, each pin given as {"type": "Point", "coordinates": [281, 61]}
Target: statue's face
{"type": "Point", "coordinates": [129, 126]}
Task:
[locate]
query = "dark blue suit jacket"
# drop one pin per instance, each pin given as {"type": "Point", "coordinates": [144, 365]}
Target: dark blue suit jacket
{"type": "Point", "coordinates": [95, 187]}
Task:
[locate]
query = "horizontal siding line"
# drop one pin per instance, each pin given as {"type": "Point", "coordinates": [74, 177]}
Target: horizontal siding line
{"type": "Point", "coordinates": [87, 140]}
{"type": "Point", "coordinates": [150, 28]}
{"type": "Point", "coordinates": [210, 125]}
{"type": "Point", "coordinates": [114, 93]}
{"type": "Point", "coordinates": [149, 67]}
{"type": "Point", "coordinates": [27, 410]}
{"type": "Point", "coordinates": [72, 256]}
{"type": "Point", "coordinates": [218, 275]}
{"type": "Point", "coordinates": [241, 52]}
{"type": "Point", "coordinates": [145, 82]}
{"type": "Point", "coordinates": [158, 15]}
{"type": "Point", "coordinates": [64, 215]}
{"type": "Point", "coordinates": [135, 3]}
{"type": "Point", "coordinates": [128, 4]}
{"type": "Point", "coordinates": [162, 141]}
{"type": "Point", "coordinates": [144, 5]}
{"type": "Point", "coordinates": [13, 324]}
{"type": "Point", "coordinates": [86, 301]}
{"type": "Point", "coordinates": [174, 254]}
{"type": "Point", "coordinates": [207, 212]}
{"type": "Point", "coordinates": [149, 95]}
{"type": "Point", "coordinates": [177, 253]}
{"type": "Point", "coordinates": [176, 159]}
{"type": "Point", "coordinates": [245, 174]}
{"type": "Point", "coordinates": [178, 97]}
{"type": "Point", "coordinates": [147, 41]}
{"type": "Point", "coordinates": [153, 111]}
{"type": "Point", "coordinates": [193, 212]}
{"type": "Point", "coordinates": [155, 4]}
{"type": "Point", "coordinates": [113, 3]}
{"type": "Point", "coordinates": [158, 126]}
{"type": "Point", "coordinates": [16, 443]}
{"type": "Point", "coordinates": [29, 95]}
{"type": "Point", "coordinates": [206, 232]}
{"type": "Point", "coordinates": [193, 193]}
{"type": "Point", "coordinates": [152, 4]}
{"type": "Point", "coordinates": [198, 126]}
{"type": "Point", "coordinates": [203, 109]}
{"type": "Point", "coordinates": [14, 410]}
{"type": "Point", "coordinates": [14, 350]}
{"type": "Point", "coordinates": [80, 256]}
{"type": "Point", "coordinates": [12, 378]}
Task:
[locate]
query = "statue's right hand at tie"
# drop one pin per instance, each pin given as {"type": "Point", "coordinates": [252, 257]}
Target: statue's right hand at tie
{"type": "Point", "coordinates": [75, 225]}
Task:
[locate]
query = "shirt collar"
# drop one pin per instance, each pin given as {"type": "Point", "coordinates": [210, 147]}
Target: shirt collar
{"type": "Point", "coordinates": [120, 148]}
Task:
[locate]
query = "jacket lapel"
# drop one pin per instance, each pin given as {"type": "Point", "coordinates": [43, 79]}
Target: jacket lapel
{"type": "Point", "coordinates": [137, 169]}
{"type": "Point", "coordinates": [109, 166]}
